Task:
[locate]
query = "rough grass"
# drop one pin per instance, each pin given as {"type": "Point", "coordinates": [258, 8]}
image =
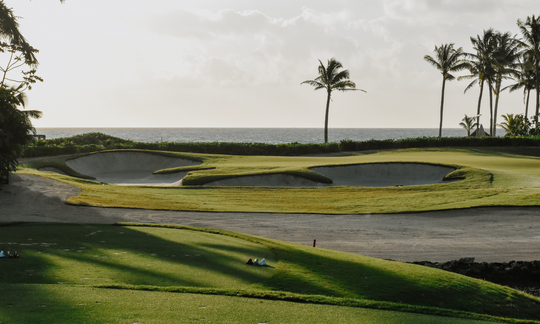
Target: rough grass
{"type": "Point", "coordinates": [173, 258]}
{"type": "Point", "coordinates": [492, 177]}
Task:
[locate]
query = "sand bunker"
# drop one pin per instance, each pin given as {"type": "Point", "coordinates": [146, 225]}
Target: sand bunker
{"type": "Point", "coordinates": [361, 175]}
{"type": "Point", "coordinates": [136, 168]}
{"type": "Point", "coordinates": [385, 174]}
{"type": "Point", "coordinates": [130, 168]}
{"type": "Point", "coordinates": [265, 180]}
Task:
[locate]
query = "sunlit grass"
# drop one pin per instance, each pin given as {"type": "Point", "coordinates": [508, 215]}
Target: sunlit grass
{"type": "Point", "coordinates": [87, 255]}
{"type": "Point", "coordinates": [213, 262]}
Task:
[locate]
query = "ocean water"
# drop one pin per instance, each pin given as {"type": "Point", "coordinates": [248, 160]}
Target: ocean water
{"type": "Point", "coordinates": [256, 135]}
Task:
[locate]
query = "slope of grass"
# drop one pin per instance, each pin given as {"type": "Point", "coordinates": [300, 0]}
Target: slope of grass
{"type": "Point", "coordinates": [173, 257]}
{"type": "Point", "coordinates": [67, 304]}
{"type": "Point", "coordinates": [87, 255]}
{"type": "Point", "coordinates": [492, 177]}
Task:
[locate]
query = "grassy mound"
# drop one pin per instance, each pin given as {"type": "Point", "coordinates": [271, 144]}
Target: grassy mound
{"type": "Point", "coordinates": [44, 304]}
{"type": "Point", "coordinates": [182, 259]}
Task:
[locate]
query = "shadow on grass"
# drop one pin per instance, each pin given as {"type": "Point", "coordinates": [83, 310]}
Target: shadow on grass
{"type": "Point", "coordinates": [301, 270]}
{"type": "Point", "coordinates": [141, 256]}
{"type": "Point", "coordinates": [324, 272]}
{"type": "Point", "coordinates": [97, 254]}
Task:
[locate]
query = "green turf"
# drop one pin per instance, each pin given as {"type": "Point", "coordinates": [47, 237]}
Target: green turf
{"type": "Point", "coordinates": [212, 261]}
{"type": "Point", "coordinates": [492, 177]}
{"type": "Point", "coordinates": [60, 304]}
{"type": "Point", "coordinates": [90, 255]}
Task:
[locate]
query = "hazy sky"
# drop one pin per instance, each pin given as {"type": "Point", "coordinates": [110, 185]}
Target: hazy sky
{"type": "Point", "coordinates": [173, 63]}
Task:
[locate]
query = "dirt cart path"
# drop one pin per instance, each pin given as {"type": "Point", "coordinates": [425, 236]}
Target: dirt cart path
{"type": "Point", "coordinates": [488, 234]}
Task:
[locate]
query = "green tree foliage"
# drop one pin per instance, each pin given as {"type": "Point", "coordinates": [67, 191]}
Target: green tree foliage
{"type": "Point", "coordinates": [331, 78]}
{"type": "Point", "coordinates": [447, 60]}
{"type": "Point", "coordinates": [15, 130]}
{"type": "Point", "coordinates": [515, 125]}
{"type": "Point", "coordinates": [468, 123]}
{"type": "Point", "coordinates": [15, 126]}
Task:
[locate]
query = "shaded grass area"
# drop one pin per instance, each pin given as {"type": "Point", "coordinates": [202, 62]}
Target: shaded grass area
{"type": "Point", "coordinates": [65, 304]}
{"type": "Point", "coordinates": [147, 257]}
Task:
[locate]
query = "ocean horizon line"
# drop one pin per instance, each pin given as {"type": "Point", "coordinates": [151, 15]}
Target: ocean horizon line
{"type": "Point", "coordinates": [252, 134]}
{"type": "Point", "coordinates": [225, 127]}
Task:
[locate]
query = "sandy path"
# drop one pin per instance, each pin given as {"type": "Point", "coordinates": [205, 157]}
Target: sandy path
{"type": "Point", "coordinates": [488, 234]}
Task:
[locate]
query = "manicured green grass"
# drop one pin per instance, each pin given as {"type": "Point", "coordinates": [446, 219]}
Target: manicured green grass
{"type": "Point", "coordinates": [90, 255]}
{"type": "Point", "coordinates": [65, 304]}
{"type": "Point", "coordinates": [492, 177]}
{"type": "Point", "coordinates": [185, 259]}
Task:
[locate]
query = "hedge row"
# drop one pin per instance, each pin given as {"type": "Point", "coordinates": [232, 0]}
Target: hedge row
{"type": "Point", "coordinates": [422, 142]}
{"type": "Point", "coordinates": [97, 142]}
{"type": "Point", "coordinates": [93, 142]}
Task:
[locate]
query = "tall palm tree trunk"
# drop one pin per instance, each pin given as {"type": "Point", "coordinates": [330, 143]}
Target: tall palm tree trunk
{"type": "Point", "coordinates": [498, 85]}
{"type": "Point", "coordinates": [490, 108]}
{"type": "Point", "coordinates": [479, 104]}
{"type": "Point", "coordinates": [537, 97]}
{"type": "Point", "coordinates": [326, 117]}
{"type": "Point", "coordinates": [527, 103]}
{"type": "Point", "coordinates": [442, 104]}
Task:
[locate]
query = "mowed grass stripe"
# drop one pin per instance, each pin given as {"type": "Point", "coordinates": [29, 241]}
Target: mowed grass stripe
{"type": "Point", "coordinates": [47, 257]}
{"type": "Point", "coordinates": [63, 304]}
{"type": "Point", "coordinates": [89, 254]}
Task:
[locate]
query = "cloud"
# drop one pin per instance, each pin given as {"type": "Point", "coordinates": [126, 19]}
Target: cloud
{"type": "Point", "coordinates": [249, 48]}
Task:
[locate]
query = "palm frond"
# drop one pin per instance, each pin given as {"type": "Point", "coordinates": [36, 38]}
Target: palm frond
{"type": "Point", "coordinates": [36, 114]}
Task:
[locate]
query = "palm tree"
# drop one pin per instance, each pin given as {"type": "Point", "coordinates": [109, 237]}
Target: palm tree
{"type": "Point", "coordinates": [524, 77]}
{"type": "Point", "coordinates": [331, 78]}
{"type": "Point", "coordinates": [468, 123]}
{"type": "Point", "coordinates": [506, 63]}
{"type": "Point", "coordinates": [530, 29]}
{"type": "Point", "coordinates": [447, 60]}
{"type": "Point", "coordinates": [480, 65]}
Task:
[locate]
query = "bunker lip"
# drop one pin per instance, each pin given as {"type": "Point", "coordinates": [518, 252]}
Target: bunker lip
{"type": "Point", "coordinates": [137, 168]}
{"type": "Point", "coordinates": [130, 168]}
{"type": "Point", "coordinates": [386, 174]}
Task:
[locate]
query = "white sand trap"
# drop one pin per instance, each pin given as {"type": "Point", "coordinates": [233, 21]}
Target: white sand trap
{"type": "Point", "coordinates": [357, 175]}
{"type": "Point", "coordinates": [385, 174]}
{"type": "Point", "coordinates": [130, 168]}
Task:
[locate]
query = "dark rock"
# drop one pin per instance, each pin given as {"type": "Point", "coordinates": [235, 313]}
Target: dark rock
{"type": "Point", "coordinates": [523, 274]}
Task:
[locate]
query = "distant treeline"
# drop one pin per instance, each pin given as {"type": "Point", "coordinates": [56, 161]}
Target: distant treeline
{"type": "Point", "coordinates": [92, 142]}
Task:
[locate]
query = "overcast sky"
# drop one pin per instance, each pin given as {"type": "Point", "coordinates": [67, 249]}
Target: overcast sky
{"type": "Point", "coordinates": [239, 63]}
